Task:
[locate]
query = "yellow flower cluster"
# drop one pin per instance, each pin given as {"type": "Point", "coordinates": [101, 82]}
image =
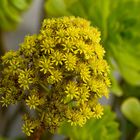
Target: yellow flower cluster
{"type": "Point", "coordinates": [59, 73]}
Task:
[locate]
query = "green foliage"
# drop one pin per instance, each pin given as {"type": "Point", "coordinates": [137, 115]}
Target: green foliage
{"type": "Point", "coordinates": [115, 88]}
{"type": "Point", "coordinates": [10, 12]}
{"type": "Point", "coordinates": [131, 110]}
{"type": "Point", "coordinates": [104, 129]}
{"type": "Point", "coordinates": [1, 138]}
{"type": "Point", "coordinates": [130, 90]}
{"type": "Point", "coordinates": [60, 74]}
{"type": "Point", "coordinates": [120, 31]}
{"type": "Point", "coordinates": [137, 136]}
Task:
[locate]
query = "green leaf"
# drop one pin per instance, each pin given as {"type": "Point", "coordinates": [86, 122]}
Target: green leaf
{"type": "Point", "coordinates": [105, 128]}
{"type": "Point", "coordinates": [115, 87]}
{"type": "Point", "coordinates": [56, 8]}
{"type": "Point", "coordinates": [128, 63]}
{"type": "Point", "coordinates": [2, 138]}
{"type": "Point", "coordinates": [10, 12]}
{"type": "Point", "coordinates": [137, 136]}
{"type": "Point", "coordinates": [130, 90]}
{"type": "Point", "coordinates": [131, 110]}
{"type": "Point", "coordinates": [20, 4]}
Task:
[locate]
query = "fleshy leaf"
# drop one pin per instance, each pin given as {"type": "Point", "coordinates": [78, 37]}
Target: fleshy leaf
{"type": "Point", "coordinates": [137, 136]}
{"type": "Point", "coordinates": [10, 12]}
{"type": "Point", "coordinates": [131, 110]}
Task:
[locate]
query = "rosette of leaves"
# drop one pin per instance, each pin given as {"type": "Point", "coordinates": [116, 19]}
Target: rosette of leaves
{"type": "Point", "coordinates": [59, 73]}
{"type": "Point", "coordinates": [105, 129]}
{"type": "Point", "coordinates": [119, 22]}
{"type": "Point", "coordinates": [10, 12]}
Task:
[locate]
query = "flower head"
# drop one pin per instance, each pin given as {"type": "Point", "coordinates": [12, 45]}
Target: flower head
{"type": "Point", "coordinates": [60, 73]}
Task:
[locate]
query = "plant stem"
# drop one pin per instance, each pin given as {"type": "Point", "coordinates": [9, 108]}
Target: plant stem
{"type": "Point", "coordinates": [38, 133]}
{"type": "Point", "coordinates": [45, 88]}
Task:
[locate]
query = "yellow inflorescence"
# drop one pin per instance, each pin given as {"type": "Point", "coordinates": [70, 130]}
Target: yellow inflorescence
{"type": "Point", "coordinates": [59, 73]}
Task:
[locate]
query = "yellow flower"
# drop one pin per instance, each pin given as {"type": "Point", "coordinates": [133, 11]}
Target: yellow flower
{"type": "Point", "coordinates": [60, 36]}
{"type": "Point", "coordinates": [28, 128]}
{"type": "Point", "coordinates": [70, 61]}
{"type": "Point", "coordinates": [25, 79]}
{"type": "Point", "coordinates": [99, 51]}
{"type": "Point", "coordinates": [69, 46]}
{"type": "Point", "coordinates": [84, 71]}
{"type": "Point", "coordinates": [71, 90]}
{"type": "Point", "coordinates": [29, 45]}
{"type": "Point", "coordinates": [57, 58]}
{"type": "Point", "coordinates": [83, 94]}
{"type": "Point", "coordinates": [61, 73]}
{"type": "Point", "coordinates": [47, 45]}
{"type": "Point", "coordinates": [98, 111]}
{"type": "Point", "coordinates": [75, 118]}
{"type": "Point", "coordinates": [55, 76]}
{"type": "Point", "coordinates": [95, 35]}
{"type": "Point", "coordinates": [9, 56]}
{"type": "Point", "coordinates": [45, 65]}
{"type": "Point", "coordinates": [72, 33]}
{"type": "Point", "coordinates": [33, 101]}
{"type": "Point", "coordinates": [86, 111]}
{"type": "Point", "coordinates": [80, 46]}
{"type": "Point", "coordinates": [5, 101]}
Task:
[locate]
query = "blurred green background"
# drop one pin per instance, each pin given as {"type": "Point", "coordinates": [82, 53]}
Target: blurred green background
{"type": "Point", "coordinates": [119, 23]}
